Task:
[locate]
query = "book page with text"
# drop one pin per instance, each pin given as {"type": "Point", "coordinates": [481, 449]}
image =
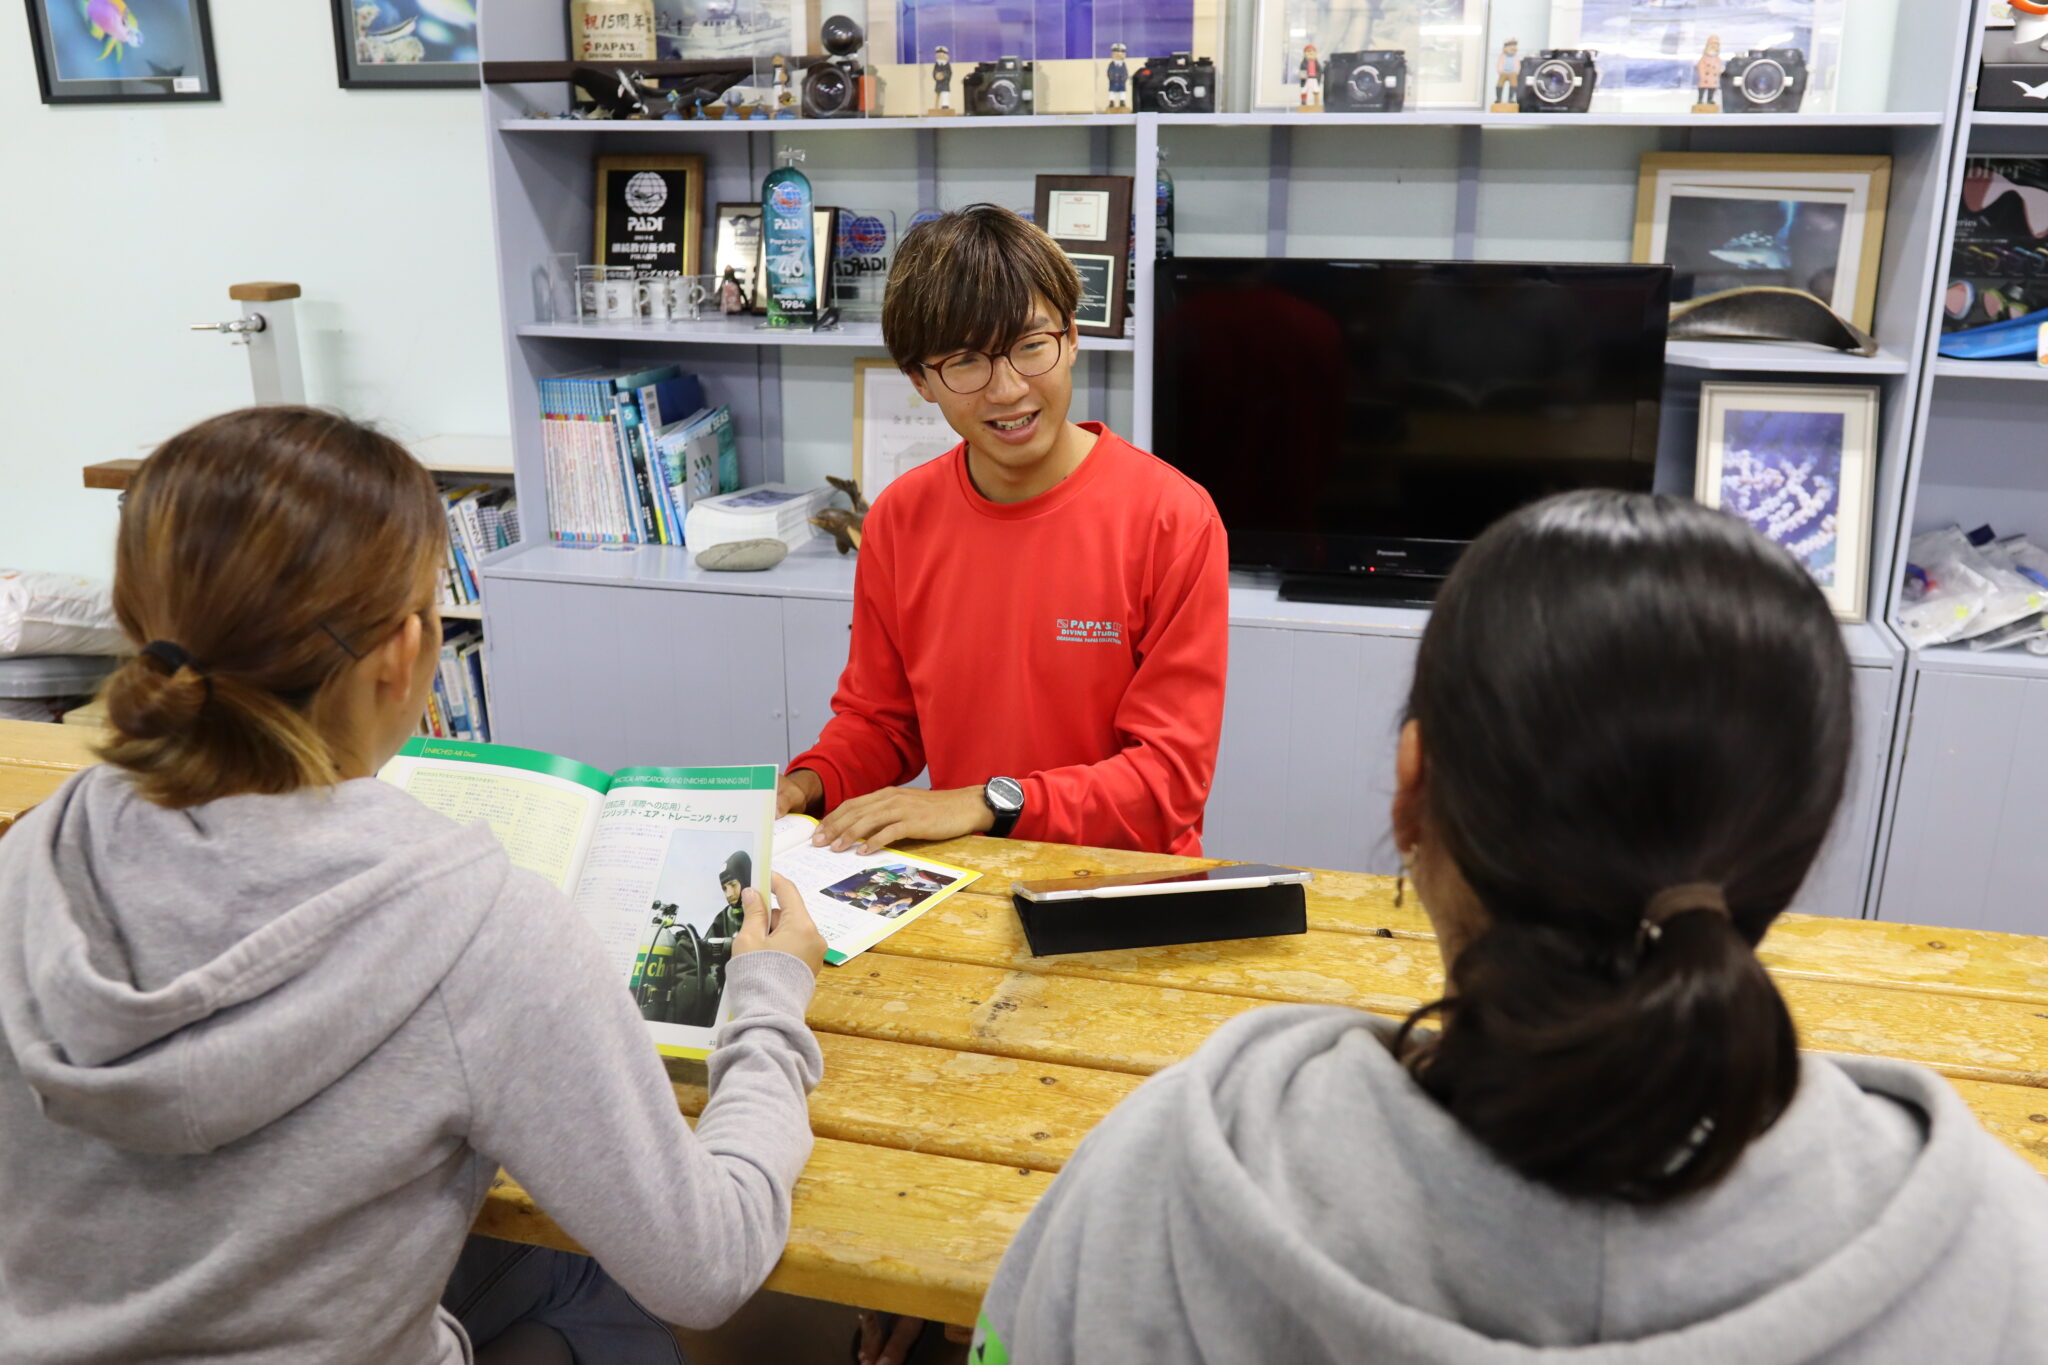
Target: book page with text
{"type": "Point", "coordinates": [542, 808]}
{"type": "Point", "coordinates": [859, 900]}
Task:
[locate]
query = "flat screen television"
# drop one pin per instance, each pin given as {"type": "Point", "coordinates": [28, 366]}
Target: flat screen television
{"type": "Point", "coordinates": [1359, 422]}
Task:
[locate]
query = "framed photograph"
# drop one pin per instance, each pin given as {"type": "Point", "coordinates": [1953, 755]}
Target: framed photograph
{"type": "Point", "coordinates": [1648, 50]}
{"type": "Point", "coordinates": [123, 51]}
{"type": "Point", "coordinates": [1797, 462]}
{"type": "Point", "coordinates": [1090, 217]}
{"type": "Point", "coordinates": [1724, 221]}
{"type": "Point", "coordinates": [736, 246]}
{"type": "Point", "coordinates": [692, 30]}
{"type": "Point", "coordinates": [650, 213]}
{"type": "Point", "coordinates": [894, 429]}
{"type": "Point", "coordinates": [406, 44]}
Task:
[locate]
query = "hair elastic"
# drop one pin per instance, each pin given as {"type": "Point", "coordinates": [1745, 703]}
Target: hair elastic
{"type": "Point", "coordinates": [1680, 900]}
{"type": "Point", "coordinates": [172, 657]}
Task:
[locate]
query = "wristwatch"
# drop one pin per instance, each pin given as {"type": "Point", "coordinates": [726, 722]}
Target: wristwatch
{"type": "Point", "coordinates": [1004, 796]}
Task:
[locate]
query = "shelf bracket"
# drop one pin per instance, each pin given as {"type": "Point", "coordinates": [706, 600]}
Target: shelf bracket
{"type": "Point", "coordinates": [1465, 220]}
{"type": "Point", "coordinates": [1280, 152]}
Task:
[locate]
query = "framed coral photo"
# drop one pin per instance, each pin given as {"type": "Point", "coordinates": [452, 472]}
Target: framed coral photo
{"type": "Point", "coordinates": [123, 51]}
{"type": "Point", "coordinates": [1796, 461]}
{"type": "Point", "coordinates": [406, 44]}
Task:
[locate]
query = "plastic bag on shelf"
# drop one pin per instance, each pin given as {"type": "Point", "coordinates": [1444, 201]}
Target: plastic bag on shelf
{"type": "Point", "coordinates": [1946, 593]}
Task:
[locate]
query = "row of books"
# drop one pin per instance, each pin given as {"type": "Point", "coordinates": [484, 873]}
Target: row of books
{"type": "Point", "coordinates": [460, 706]}
{"type": "Point", "coordinates": [482, 519]}
{"type": "Point", "coordinates": [627, 454]}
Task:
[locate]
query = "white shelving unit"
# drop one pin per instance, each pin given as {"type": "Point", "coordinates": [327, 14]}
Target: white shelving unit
{"type": "Point", "coordinates": [1314, 689]}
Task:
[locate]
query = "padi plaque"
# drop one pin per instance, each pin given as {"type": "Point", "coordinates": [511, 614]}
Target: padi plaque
{"type": "Point", "coordinates": [650, 213]}
{"type": "Point", "coordinates": [860, 265]}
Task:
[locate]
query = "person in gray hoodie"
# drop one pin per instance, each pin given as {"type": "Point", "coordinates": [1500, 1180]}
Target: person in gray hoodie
{"type": "Point", "coordinates": [1626, 738]}
{"type": "Point", "coordinates": [270, 1027]}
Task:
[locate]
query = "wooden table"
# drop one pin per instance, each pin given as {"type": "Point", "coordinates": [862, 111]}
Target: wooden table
{"type": "Point", "coordinates": [960, 1072]}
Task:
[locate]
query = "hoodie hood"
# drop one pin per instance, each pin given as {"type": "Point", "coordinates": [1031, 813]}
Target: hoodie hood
{"type": "Point", "coordinates": [172, 981]}
{"type": "Point", "coordinates": [1289, 1194]}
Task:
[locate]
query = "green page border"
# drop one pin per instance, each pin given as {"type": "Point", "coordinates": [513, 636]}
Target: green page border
{"type": "Point", "coordinates": [754, 779]}
{"type": "Point", "coordinates": [508, 756]}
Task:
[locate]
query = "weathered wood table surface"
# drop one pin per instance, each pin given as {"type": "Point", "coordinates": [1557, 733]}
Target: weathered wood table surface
{"type": "Point", "coordinates": [960, 1072]}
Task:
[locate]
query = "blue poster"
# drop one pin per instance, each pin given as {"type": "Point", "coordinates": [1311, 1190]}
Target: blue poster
{"type": "Point", "coordinates": [1043, 30]}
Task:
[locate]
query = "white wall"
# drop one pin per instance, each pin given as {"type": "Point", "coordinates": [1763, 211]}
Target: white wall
{"type": "Point", "coordinates": [119, 225]}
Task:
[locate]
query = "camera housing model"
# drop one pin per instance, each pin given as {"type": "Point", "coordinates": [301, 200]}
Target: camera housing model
{"type": "Point", "coordinates": [1366, 82]}
{"type": "Point", "coordinates": [1176, 84]}
{"type": "Point", "coordinates": [840, 85]}
{"type": "Point", "coordinates": [1003, 86]}
{"type": "Point", "coordinates": [1558, 80]}
{"type": "Point", "coordinates": [1764, 81]}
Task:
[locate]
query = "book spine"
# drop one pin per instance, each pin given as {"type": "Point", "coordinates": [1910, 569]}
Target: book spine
{"type": "Point", "coordinates": [451, 689]}
{"type": "Point", "coordinates": [479, 543]}
{"type": "Point", "coordinates": [473, 681]}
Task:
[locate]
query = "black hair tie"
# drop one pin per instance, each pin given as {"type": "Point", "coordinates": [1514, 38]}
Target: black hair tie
{"type": "Point", "coordinates": [172, 657]}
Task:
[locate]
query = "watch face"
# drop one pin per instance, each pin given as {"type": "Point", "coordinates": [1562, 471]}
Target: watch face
{"type": "Point", "coordinates": [1005, 794]}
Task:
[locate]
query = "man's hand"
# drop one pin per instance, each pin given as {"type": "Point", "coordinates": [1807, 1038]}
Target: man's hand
{"type": "Point", "coordinates": [790, 930]}
{"type": "Point", "coordinates": [800, 791]}
{"type": "Point", "coordinates": [879, 819]}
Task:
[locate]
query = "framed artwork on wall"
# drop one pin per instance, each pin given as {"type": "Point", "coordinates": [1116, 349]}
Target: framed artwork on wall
{"type": "Point", "coordinates": [894, 429]}
{"type": "Point", "coordinates": [93, 51]}
{"type": "Point", "coordinates": [406, 44]}
{"type": "Point", "coordinates": [1725, 221]}
{"type": "Point", "coordinates": [1797, 462]}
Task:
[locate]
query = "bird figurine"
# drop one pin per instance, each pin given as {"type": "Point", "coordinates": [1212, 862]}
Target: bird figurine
{"type": "Point", "coordinates": [843, 523]}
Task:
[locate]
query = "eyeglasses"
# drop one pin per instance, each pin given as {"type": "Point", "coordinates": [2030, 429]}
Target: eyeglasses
{"type": "Point", "coordinates": [1031, 355]}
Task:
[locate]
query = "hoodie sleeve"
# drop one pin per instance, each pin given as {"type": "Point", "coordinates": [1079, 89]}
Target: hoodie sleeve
{"type": "Point", "coordinates": [1086, 1279]}
{"type": "Point", "coordinates": [569, 1095]}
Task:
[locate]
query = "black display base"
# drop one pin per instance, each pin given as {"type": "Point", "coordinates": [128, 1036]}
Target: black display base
{"type": "Point", "coordinates": [1360, 589]}
{"type": "Point", "coordinates": [2007, 85]}
{"type": "Point", "coordinates": [1109, 923]}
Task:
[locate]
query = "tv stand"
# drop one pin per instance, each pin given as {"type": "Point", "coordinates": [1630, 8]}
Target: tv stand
{"type": "Point", "coordinates": [1360, 589]}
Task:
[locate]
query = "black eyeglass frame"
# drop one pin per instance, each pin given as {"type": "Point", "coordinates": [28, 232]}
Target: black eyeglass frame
{"type": "Point", "coordinates": [938, 368]}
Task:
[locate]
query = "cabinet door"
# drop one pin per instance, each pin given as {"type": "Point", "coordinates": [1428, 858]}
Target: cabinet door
{"type": "Point", "coordinates": [619, 676]}
{"type": "Point", "coordinates": [1967, 848]}
{"type": "Point", "coordinates": [1305, 774]}
{"type": "Point", "coordinates": [815, 634]}
{"type": "Point", "coordinates": [1840, 876]}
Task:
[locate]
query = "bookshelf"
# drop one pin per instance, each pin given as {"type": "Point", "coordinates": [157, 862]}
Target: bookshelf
{"type": "Point", "coordinates": [1313, 689]}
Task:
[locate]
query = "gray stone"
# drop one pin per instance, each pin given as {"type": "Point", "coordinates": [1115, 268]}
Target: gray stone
{"type": "Point", "coordinates": [743, 556]}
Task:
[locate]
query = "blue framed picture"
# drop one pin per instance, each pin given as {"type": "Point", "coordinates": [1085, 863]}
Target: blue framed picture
{"type": "Point", "coordinates": [406, 44]}
{"type": "Point", "coordinates": [123, 51]}
{"type": "Point", "coordinates": [1798, 463]}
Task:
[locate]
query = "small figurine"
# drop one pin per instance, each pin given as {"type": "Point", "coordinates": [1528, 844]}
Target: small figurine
{"type": "Point", "coordinates": [844, 526]}
{"type": "Point", "coordinates": [1706, 77]}
{"type": "Point", "coordinates": [733, 105]}
{"type": "Point", "coordinates": [942, 81]}
{"type": "Point", "coordinates": [1119, 81]}
{"type": "Point", "coordinates": [675, 104]}
{"type": "Point", "coordinates": [732, 296]}
{"type": "Point", "coordinates": [1507, 78]}
{"type": "Point", "coordinates": [700, 105]}
{"type": "Point", "coordinates": [1311, 75]}
{"type": "Point", "coordinates": [785, 102]}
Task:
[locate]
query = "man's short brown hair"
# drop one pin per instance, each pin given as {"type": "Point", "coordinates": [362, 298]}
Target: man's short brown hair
{"type": "Point", "coordinates": [966, 280]}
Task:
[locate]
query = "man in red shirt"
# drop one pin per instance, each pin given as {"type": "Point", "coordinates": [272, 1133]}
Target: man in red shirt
{"type": "Point", "coordinates": [1041, 616]}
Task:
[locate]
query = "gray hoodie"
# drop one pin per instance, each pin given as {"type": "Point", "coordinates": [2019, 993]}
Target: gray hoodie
{"type": "Point", "coordinates": [1289, 1195]}
{"type": "Point", "coordinates": [263, 1057]}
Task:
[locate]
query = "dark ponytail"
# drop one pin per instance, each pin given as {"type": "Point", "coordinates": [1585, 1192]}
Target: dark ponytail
{"type": "Point", "coordinates": [1635, 716]}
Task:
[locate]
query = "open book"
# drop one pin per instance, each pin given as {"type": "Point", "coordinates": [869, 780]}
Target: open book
{"type": "Point", "coordinates": [656, 859]}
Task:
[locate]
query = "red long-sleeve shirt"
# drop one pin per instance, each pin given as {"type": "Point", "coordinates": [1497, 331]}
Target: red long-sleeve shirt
{"type": "Point", "coordinates": [1075, 641]}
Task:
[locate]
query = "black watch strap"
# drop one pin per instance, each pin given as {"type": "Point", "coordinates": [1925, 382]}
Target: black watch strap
{"type": "Point", "coordinates": [1004, 796]}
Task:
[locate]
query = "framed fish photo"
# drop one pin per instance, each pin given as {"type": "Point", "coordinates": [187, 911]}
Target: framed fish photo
{"type": "Point", "coordinates": [123, 51]}
{"type": "Point", "coordinates": [1723, 221]}
{"type": "Point", "coordinates": [1797, 462]}
{"type": "Point", "coordinates": [406, 44]}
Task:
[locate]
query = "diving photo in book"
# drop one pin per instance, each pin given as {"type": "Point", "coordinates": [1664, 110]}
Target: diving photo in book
{"type": "Point", "coordinates": [890, 890]}
{"type": "Point", "coordinates": [679, 975]}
